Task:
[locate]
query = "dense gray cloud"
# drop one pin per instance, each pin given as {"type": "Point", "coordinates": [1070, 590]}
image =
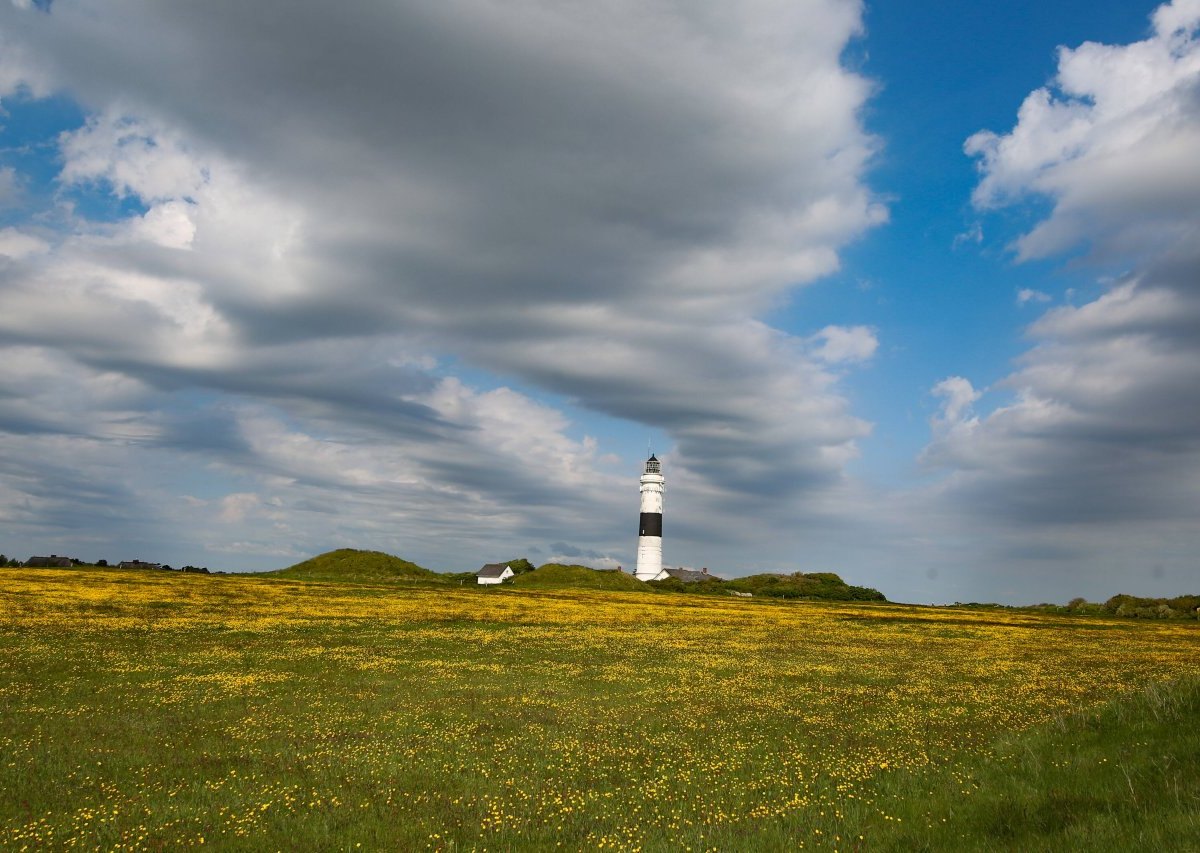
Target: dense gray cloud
{"type": "Point", "coordinates": [1097, 452]}
{"type": "Point", "coordinates": [596, 200]}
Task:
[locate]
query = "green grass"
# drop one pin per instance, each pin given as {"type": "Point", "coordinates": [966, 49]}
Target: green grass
{"type": "Point", "coordinates": [1120, 777]}
{"type": "Point", "coordinates": [558, 576]}
{"type": "Point", "coordinates": [150, 710]}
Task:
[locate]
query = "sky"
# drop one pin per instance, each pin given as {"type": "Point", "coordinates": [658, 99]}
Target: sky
{"type": "Point", "coordinates": [905, 291]}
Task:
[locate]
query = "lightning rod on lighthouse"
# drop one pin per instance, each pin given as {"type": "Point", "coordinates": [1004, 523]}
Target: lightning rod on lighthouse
{"type": "Point", "coordinates": [649, 554]}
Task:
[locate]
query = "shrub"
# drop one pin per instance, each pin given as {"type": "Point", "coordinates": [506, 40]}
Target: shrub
{"type": "Point", "coordinates": [821, 577]}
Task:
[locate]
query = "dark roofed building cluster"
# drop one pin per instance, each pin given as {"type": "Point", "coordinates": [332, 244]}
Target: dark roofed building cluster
{"type": "Point", "coordinates": [139, 564]}
{"type": "Point", "coordinates": [52, 562]}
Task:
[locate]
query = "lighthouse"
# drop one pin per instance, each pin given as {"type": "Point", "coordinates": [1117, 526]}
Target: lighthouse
{"type": "Point", "coordinates": [649, 555]}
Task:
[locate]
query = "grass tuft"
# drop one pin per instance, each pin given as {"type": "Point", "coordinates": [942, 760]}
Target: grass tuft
{"type": "Point", "coordinates": [1117, 777]}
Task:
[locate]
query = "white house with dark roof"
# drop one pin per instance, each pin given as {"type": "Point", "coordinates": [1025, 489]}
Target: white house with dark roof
{"type": "Point", "coordinates": [494, 573]}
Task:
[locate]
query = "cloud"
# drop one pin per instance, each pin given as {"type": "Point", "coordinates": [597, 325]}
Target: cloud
{"type": "Point", "coordinates": [19, 74]}
{"type": "Point", "coordinates": [133, 156]}
{"type": "Point", "coordinates": [15, 244]}
{"type": "Point", "coordinates": [841, 344]}
{"type": "Point", "coordinates": [958, 396]}
{"type": "Point", "coordinates": [1096, 449]}
{"type": "Point", "coordinates": [595, 202]}
{"type": "Point", "coordinates": [10, 188]}
{"type": "Point", "coordinates": [1027, 294]}
{"type": "Point", "coordinates": [235, 507]}
{"type": "Point", "coordinates": [974, 234]}
{"type": "Point", "coordinates": [1110, 142]}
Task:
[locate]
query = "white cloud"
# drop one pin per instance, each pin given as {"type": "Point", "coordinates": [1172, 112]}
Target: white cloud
{"type": "Point", "coordinates": [17, 244]}
{"type": "Point", "coordinates": [1177, 18]}
{"type": "Point", "coordinates": [1114, 136]}
{"type": "Point", "coordinates": [974, 234]}
{"type": "Point", "coordinates": [1027, 294]}
{"type": "Point", "coordinates": [133, 155]}
{"type": "Point", "coordinates": [169, 224]}
{"type": "Point", "coordinates": [841, 344]}
{"type": "Point", "coordinates": [235, 507]}
{"type": "Point", "coordinates": [958, 396]}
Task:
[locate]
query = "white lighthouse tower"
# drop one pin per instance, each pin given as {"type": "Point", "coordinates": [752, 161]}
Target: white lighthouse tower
{"type": "Point", "coordinates": [649, 555]}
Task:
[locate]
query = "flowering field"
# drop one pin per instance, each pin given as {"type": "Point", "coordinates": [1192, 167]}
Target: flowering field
{"type": "Point", "coordinates": [145, 710]}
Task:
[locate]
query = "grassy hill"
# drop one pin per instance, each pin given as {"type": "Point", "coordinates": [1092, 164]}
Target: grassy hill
{"type": "Point", "coordinates": [354, 566]}
{"type": "Point", "coordinates": [821, 586]}
{"type": "Point", "coordinates": [824, 586]}
{"type": "Point", "coordinates": [557, 575]}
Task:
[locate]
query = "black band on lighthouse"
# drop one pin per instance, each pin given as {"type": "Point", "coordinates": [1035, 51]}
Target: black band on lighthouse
{"type": "Point", "coordinates": [651, 524]}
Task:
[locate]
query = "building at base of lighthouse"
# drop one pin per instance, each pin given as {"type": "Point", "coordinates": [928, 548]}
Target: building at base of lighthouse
{"type": "Point", "coordinates": [649, 554]}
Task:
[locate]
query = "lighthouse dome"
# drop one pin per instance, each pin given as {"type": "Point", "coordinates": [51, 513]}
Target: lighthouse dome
{"type": "Point", "coordinates": [653, 466]}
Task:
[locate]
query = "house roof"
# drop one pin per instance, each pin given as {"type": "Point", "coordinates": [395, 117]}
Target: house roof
{"type": "Point", "coordinates": [139, 564]}
{"type": "Point", "coordinates": [53, 561]}
{"type": "Point", "coordinates": [690, 576]}
{"type": "Point", "coordinates": [492, 570]}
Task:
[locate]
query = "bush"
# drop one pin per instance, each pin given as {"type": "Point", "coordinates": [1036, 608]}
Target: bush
{"type": "Point", "coordinates": [823, 586]}
{"type": "Point", "coordinates": [461, 577]}
{"type": "Point", "coordinates": [1180, 607]}
{"type": "Point", "coordinates": [821, 577]}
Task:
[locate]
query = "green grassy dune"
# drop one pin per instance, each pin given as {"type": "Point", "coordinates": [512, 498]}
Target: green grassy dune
{"type": "Point", "coordinates": [348, 565]}
{"type": "Point", "coordinates": [557, 575]}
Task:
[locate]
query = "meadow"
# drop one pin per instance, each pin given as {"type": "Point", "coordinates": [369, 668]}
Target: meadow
{"type": "Point", "coordinates": [153, 710]}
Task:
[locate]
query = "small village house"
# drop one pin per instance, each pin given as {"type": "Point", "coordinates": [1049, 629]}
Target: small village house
{"type": "Point", "coordinates": [690, 575]}
{"type": "Point", "coordinates": [52, 562]}
{"type": "Point", "coordinates": [494, 573]}
{"type": "Point", "coordinates": [139, 564]}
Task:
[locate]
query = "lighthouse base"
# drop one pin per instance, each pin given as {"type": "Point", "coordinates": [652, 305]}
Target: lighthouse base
{"type": "Point", "coordinates": [649, 559]}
